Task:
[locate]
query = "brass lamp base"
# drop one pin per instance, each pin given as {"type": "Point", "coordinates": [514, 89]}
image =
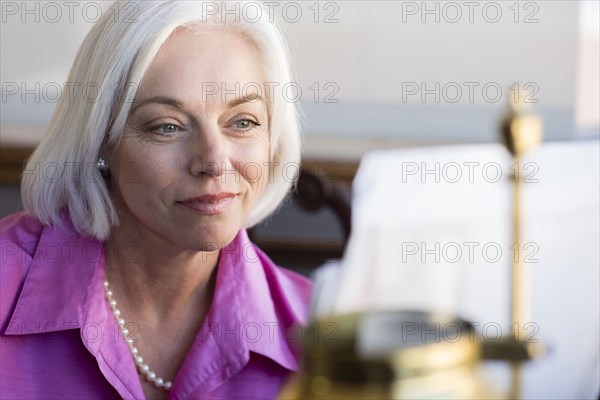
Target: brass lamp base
{"type": "Point", "coordinates": [391, 355]}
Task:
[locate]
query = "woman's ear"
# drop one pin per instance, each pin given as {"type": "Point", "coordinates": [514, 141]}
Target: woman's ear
{"type": "Point", "coordinates": [106, 164]}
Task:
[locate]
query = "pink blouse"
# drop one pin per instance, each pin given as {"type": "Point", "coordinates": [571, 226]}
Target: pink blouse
{"type": "Point", "coordinates": [59, 338]}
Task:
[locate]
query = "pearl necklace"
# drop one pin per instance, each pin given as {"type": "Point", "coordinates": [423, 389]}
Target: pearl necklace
{"type": "Point", "coordinates": [143, 368]}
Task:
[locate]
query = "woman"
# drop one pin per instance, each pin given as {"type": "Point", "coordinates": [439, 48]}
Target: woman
{"type": "Point", "coordinates": [131, 273]}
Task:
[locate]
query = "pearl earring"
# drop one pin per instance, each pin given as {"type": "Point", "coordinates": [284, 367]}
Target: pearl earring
{"type": "Point", "coordinates": [101, 164]}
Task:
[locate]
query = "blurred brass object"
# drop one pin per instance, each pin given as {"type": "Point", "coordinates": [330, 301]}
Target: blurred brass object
{"type": "Point", "coordinates": [521, 131]}
{"type": "Point", "coordinates": [390, 355]}
{"type": "Point", "coordinates": [509, 349]}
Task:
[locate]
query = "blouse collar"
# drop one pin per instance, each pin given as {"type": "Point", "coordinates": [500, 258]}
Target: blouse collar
{"type": "Point", "coordinates": [249, 313]}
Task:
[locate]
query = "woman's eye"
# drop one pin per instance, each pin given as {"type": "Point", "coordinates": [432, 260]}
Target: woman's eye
{"type": "Point", "coordinates": [245, 124]}
{"type": "Point", "coordinates": [165, 129]}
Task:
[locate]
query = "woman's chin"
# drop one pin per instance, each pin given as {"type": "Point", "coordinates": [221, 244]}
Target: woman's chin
{"type": "Point", "coordinates": [210, 240]}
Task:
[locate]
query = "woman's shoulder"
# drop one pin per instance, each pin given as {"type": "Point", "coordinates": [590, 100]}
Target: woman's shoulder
{"type": "Point", "coordinates": [19, 234]}
{"type": "Point", "coordinates": [290, 291]}
{"type": "Point", "coordinates": [19, 237]}
{"type": "Point", "coordinates": [293, 283]}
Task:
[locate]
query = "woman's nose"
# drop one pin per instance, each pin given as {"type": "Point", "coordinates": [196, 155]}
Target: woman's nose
{"type": "Point", "coordinates": [209, 152]}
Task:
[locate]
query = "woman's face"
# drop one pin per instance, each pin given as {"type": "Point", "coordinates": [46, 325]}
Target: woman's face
{"type": "Point", "coordinates": [193, 158]}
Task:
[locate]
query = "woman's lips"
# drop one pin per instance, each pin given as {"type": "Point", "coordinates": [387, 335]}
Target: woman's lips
{"type": "Point", "coordinates": [209, 204]}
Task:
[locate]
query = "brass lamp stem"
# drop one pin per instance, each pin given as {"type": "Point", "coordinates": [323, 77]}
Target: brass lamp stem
{"type": "Point", "coordinates": [521, 131]}
{"type": "Point", "coordinates": [521, 282]}
{"type": "Point", "coordinates": [517, 311]}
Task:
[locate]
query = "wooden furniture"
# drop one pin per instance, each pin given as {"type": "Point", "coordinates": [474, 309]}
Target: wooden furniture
{"type": "Point", "coordinates": [315, 192]}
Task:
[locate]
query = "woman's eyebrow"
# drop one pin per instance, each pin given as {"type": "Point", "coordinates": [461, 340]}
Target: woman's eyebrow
{"type": "Point", "coordinates": [159, 100]}
{"type": "Point", "coordinates": [249, 98]}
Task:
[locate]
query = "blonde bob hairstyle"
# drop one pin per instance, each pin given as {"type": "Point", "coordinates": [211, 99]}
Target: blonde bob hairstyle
{"type": "Point", "coordinates": [108, 68]}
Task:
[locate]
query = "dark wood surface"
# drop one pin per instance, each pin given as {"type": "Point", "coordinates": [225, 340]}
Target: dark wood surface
{"type": "Point", "coordinates": [12, 163]}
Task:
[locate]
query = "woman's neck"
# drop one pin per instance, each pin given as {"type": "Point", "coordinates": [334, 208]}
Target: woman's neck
{"type": "Point", "coordinates": [162, 292]}
{"type": "Point", "coordinates": [155, 279]}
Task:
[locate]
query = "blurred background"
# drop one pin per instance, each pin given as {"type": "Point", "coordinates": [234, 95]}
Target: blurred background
{"type": "Point", "coordinates": [371, 74]}
{"type": "Point", "coordinates": [395, 74]}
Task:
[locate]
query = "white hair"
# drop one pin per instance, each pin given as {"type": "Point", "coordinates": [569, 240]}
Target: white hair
{"type": "Point", "coordinates": [104, 78]}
